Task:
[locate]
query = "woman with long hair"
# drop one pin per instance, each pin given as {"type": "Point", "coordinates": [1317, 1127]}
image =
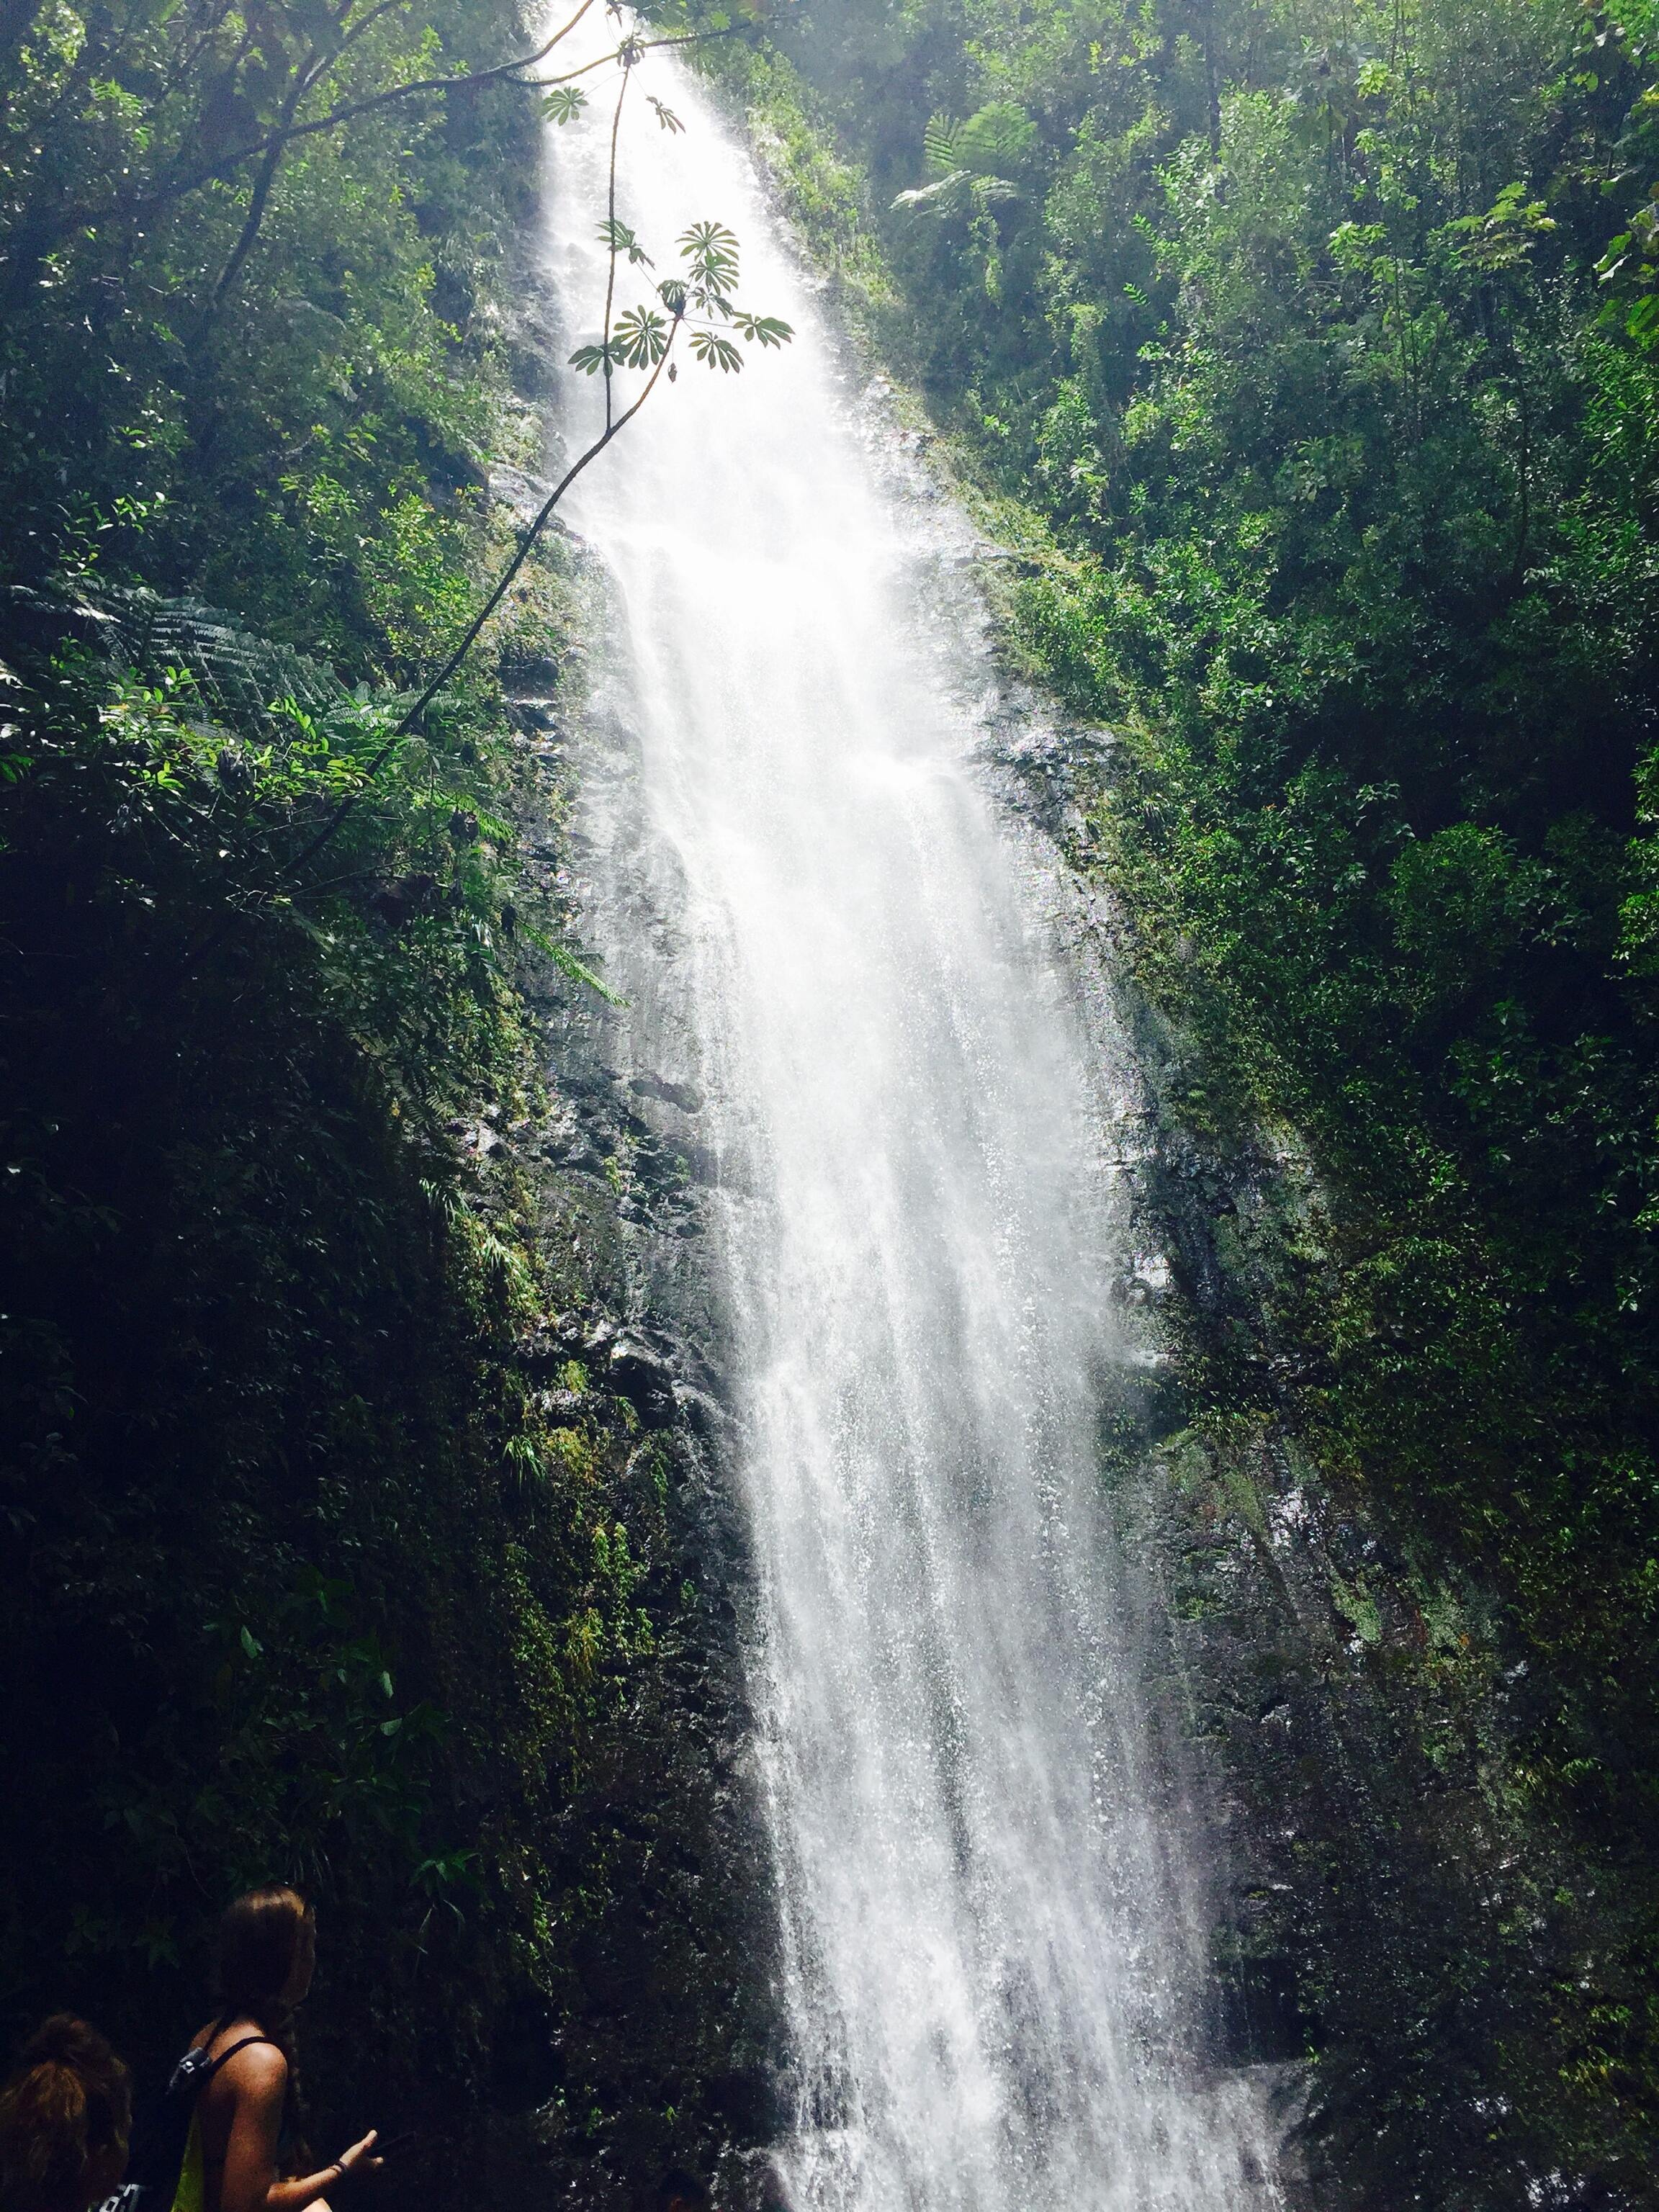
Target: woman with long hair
{"type": "Point", "coordinates": [65, 2116]}
{"type": "Point", "coordinates": [245, 2152]}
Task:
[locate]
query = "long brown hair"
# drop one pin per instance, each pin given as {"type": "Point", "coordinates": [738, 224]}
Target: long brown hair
{"type": "Point", "coordinates": [261, 1938]}
{"type": "Point", "coordinates": [70, 2099]}
{"type": "Point", "coordinates": [260, 1941]}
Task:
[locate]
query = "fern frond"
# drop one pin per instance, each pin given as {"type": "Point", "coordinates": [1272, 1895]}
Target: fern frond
{"type": "Point", "coordinates": [938, 144]}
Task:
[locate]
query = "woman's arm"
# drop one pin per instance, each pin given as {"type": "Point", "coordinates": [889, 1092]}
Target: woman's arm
{"type": "Point", "coordinates": [295, 2195]}
{"type": "Point", "coordinates": [250, 2182]}
{"type": "Point", "coordinates": [257, 2086]}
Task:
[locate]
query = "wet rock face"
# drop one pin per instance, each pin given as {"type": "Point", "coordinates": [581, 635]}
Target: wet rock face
{"type": "Point", "coordinates": [1389, 1922]}
{"type": "Point", "coordinates": [642, 1373]}
{"type": "Point", "coordinates": [1395, 1921]}
{"type": "Point", "coordinates": [657, 2041]}
{"type": "Point", "coordinates": [658, 2044]}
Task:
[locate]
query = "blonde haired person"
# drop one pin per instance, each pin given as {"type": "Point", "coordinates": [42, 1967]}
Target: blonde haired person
{"type": "Point", "coordinates": [245, 2151]}
{"type": "Point", "coordinates": [65, 2117]}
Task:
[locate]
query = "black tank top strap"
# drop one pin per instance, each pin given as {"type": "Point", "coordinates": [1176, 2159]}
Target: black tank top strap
{"type": "Point", "coordinates": [240, 2044]}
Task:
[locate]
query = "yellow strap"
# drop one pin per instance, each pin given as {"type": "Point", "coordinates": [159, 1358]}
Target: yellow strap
{"type": "Point", "coordinates": [190, 2196]}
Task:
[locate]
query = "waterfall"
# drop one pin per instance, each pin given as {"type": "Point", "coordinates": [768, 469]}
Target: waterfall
{"type": "Point", "coordinates": [834, 935]}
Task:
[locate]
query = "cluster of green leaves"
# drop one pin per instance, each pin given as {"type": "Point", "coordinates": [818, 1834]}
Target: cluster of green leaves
{"type": "Point", "coordinates": [702, 301]}
{"type": "Point", "coordinates": [1322, 338]}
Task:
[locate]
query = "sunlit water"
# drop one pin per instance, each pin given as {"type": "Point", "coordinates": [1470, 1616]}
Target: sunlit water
{"type": "Point", "coordinates": [994, 1934]}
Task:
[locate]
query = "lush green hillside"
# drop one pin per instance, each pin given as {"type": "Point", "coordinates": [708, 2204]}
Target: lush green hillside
{"type": "Point", "coordinates": [1324, 342]}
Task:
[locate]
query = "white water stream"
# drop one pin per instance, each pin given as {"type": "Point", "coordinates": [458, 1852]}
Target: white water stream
{"type": "Point", "coordinates": [995, 1938]}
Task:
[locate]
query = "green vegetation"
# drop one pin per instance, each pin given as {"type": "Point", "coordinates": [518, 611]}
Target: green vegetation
{"type": "Point", "coordinates": [328, 1557]}
{"type": "Point", "coordinates": [306, 1575]}
{"type": "Point", "coordinates": [1320, 343]}
{"type": "Point", "coordinates": [309, 1572]}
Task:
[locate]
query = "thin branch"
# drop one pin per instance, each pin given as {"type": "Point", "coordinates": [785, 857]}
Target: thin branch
{"type": "Point", "coordinates": [474, 628]}
{"type": "Point", "coordinates": [610, 233]}
{"type": "Point", "coordinates": [261, 194]}
{"type": "Point", "coordinates": [348, 36]}
{"type": "Point", "coordinates": [313, 72]}
{"type": "Point", "coordinates": [639, 46]}
{"type": "Point", "coordinates": [85, 218]}
{"type": "Point", "coordinates": [541, 83]}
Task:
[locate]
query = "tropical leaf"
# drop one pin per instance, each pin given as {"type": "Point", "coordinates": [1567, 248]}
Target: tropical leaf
{"type": "Point", "coordinates": [715, 351]}
{"type": "Point", "coordinates": [995, 140]}
{"type": "Point", "coordinates": [619, 238]}
{"type": "Point", "coordinates": [770, 330]}
{"type": "Point", "coordinates": [591, 359]}
{"type": "Point", "coordinates": [712, 251]}
{"type": "Point", "coordinates": [566, 961]}
{"type": "Point", "coordinates": [974, 156]}
{"type": "Point", "coordinates": [640, 338]}
{"type": "Point", "coordinates": [944, 194]}
{"type": "Point", "coordinates": [938, 144]}
{"type": "Point", "coordinates": [665, 115]}
{"type": "Point", "coordinates": [564, 103]}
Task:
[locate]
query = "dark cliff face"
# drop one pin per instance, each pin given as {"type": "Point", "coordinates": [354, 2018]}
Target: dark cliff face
{"type": "Point", "coordinates": [658, 2039]}
{"type": "Point", "coordinates": [1406, 1918]}
{"type": "Point", "coordinates": [1412, 1922]}
{"type": "Point", "coordinates": [364, 1524]}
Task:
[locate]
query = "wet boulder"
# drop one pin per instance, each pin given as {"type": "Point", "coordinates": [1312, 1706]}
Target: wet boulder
{"type": "Point", "coordinates": [644, 1378]}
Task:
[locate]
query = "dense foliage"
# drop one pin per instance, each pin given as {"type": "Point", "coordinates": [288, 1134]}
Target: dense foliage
{"type": "Point", "coordinates": [1322, 339]}
{"type": "Point", "coordinates": [1323, 335]}
{"type": "Point", "coordinates": [316, 1557]}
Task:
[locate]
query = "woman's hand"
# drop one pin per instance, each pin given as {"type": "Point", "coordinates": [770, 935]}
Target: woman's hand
{"type": "Point", "coordinates": [297, 2196]}
{"type": "Point", "coordinates": [358, 2156]}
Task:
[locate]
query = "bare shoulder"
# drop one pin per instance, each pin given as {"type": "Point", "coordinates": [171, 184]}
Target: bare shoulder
{"type": "Point", "coordinates": [258, 2069]}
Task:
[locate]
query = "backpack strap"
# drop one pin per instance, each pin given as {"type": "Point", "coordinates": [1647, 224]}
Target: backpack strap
{"type": "Point", "coordinates": [214, 2064]}
{"type": "Point", "coordinates": [196, 2070]}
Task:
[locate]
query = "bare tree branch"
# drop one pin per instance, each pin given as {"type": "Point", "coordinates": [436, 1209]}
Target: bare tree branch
{"type": "Point", "coordinates": [304, 78]}
{"type": "Point", "coordinates": [42, 231]}
{"type": "Point", "coordinates": [610, 233]}
{"type": "Point", "coordinates": [311, 73]}
{"type": "Point", "coordinates": [639, 46]}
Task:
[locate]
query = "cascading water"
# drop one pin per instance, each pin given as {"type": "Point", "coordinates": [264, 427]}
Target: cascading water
{"type": "Point", "coordinates": [994, 1939]}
